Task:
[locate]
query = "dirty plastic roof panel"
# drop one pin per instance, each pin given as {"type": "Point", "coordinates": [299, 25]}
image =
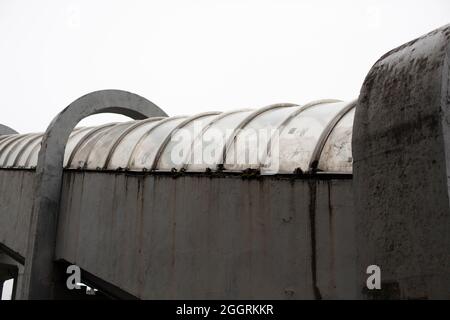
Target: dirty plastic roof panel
{"type": "Point", "coordinates": [282, 138]}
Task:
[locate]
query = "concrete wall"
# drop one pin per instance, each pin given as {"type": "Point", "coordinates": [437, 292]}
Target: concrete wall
{"type": "Point", "coordinates": [197, 237]}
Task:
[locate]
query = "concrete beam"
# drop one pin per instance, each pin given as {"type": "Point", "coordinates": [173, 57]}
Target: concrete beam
{"type": "Point", "coordinates": [401, 167]}
{"type": "Point", "coordinates": [38, 279]}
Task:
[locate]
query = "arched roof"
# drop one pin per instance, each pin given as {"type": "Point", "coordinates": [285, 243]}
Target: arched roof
{"type": "Point", "coordinates": [281, 138]}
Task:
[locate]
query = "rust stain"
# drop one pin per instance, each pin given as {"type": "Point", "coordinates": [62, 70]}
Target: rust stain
{"type": "Point", "coordinates": [140, 235]}
{"type": "Point", "coordinates": [331, 233]}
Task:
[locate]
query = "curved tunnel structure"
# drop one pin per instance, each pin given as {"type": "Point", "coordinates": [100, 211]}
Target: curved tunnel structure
{"type": "Point", "coordinates": [315, 136]}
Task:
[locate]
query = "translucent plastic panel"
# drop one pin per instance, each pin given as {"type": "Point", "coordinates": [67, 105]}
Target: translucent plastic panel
{"type": "Point", "coordinates": [178, 150]}
{"type": "Point", "coordinates": [299, 137]}
{"type": "Point", "coordinates": [249, 147]}
{"type": "Point", "coordinates": [207, 149]}
{"type": "Point", "coordinates": [102, 147]}
{"type": "Point", "coordinates": [5, 142]}
{"type": "Point", "coordinates": [32, 146]}
{"type": "Point", "coordinates": [10, 145]}
{"type": "Point", "coordinates": [75, 137]}
{"type": "Point", "coordinates": [121, 155]}
{"type": "Point", "coordinates": [18, 149]}
{"type": "Point", "coordinates": [79, 156]}
{"type": "Point", "coordinates": [146, 149]}
{"type": "Point", "coordinates": [5, 138]}
{"type": "Point", "coordinates": [337, 152]}
{"type": "Point", "coordinates": [31, 160]}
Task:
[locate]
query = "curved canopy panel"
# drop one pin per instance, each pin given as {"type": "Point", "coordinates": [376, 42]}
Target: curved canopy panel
{"type": "Point", "coordinates": [248, 144]}
{"type": "Point", "coordinates": [336, 154]}
{"type": "Point", "coordinates": [176, 148]}
{"type": "Point", "coordinates": [282, 138]}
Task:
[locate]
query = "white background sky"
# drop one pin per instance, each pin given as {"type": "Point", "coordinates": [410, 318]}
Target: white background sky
{"type": "Point", "coordinates": [194, 56]}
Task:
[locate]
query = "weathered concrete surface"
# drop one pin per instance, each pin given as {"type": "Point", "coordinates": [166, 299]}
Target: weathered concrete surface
{"type": "Point", "coordinates": [38, 281]}
{"type": "Point", "coordinates": [195, 237]}
{"type": "Point", "coordinates": [401, 151]}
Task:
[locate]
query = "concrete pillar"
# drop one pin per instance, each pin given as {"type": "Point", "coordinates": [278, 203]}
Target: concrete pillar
{"type": "Point", "coordinates": [9, 269]}
{"type": "Point", "coordinates": [401, 151]}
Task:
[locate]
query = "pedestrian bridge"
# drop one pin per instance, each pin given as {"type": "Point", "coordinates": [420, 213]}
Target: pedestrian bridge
{"type": "Point", "coordinates": [288, 201]}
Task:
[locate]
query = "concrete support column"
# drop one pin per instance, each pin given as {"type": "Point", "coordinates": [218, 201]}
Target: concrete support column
{"type": "Point", "coordinates": [401, 151]}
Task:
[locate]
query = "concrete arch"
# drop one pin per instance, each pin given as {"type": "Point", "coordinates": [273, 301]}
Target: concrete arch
{"type": "Point", "coordinates": [313, 163]}
{"type": "Point", "coordinates": [38, 277]}
{"type": "Point", "coordinates": [6, 130]}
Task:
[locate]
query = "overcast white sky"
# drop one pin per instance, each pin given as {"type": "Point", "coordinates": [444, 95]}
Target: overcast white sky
{"type": "Point", "coordinates": [194, 56]}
